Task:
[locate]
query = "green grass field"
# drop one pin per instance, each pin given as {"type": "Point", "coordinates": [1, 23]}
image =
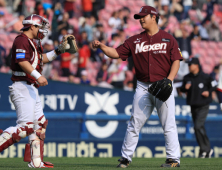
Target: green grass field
{"type": "Point", "coordinates": [111, 163]}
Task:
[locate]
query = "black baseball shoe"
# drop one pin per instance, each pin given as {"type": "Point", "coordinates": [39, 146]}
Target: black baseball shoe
{"type": "Point", "coordinates": [209, 154]}
{"type": "Point", "coordinates": [170, 163]}
{"type": "Point", "coordinates": [123, 163]}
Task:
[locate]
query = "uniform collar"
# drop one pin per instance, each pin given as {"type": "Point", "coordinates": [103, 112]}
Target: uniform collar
{"type": "Point", "coordinates": [153, 34]}
{"type": "Point", "coordinates": [22, 34]}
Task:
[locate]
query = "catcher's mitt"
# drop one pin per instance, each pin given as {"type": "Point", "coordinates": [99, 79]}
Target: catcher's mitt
{"type": "Point", "coordinates": [161, 89]}
{"type": "Point", "coordinates": [68, 44]}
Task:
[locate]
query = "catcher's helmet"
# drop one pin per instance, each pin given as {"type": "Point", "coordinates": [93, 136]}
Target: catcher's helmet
{"type": "Point", "coordinates": [38, 21]}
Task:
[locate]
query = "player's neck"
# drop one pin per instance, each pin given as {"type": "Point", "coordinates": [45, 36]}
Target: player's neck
{"type": "Point", "coordinates": [28, 34]}
{"type": "Point", "coordinates": [153, 30]}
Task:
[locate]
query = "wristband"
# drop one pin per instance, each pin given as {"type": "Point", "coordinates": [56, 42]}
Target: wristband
{"type": "Point", "coordinates": [35, 74]}
{"type": "Point", "coordinates": [57, 51]}
{"type": "Point", "coordinates": [51, 55]}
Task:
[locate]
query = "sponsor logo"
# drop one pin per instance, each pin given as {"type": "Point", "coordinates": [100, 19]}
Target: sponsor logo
{"type": "Point", "coordinates": [166, 40]}
{"type": "Point", "coordinates": [20, 55]}
{"type": "Point", "coordinates": [137, 40]}
{"type": "Point", "coordinates": [20, 50]}
{"type": "Point", "coordinates": [97, 103]}
{"type": "Point", "coordinates": [144, 48]}
{"type": "Point", "coordinates": [201, 85]}
{"type": "Point", "coordinates": [153, 12]}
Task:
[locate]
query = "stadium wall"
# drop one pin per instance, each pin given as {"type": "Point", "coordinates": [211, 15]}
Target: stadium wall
{"type": "Point", "coordinates": [86, 121]}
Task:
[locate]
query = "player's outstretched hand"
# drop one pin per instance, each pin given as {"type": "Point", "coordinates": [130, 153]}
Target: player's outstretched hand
{"type": "Point", "coordinates": [42, 81]}
{"type": "Point", "coordinates": [96, 44]}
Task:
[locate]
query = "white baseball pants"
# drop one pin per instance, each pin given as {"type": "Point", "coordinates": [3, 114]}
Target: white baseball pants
{"type": "Point", "coordinates": [143, 105]}
{"type": "Point", "coordinates": [27, 104]}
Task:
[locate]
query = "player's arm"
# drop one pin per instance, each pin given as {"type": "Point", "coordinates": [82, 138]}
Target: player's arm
{"type": "Point", "coordinates": [109, 51]}
{"type": "Point", "coordinates": [174, 69]}
{"type": "Point", "coordinates": [27, 68]}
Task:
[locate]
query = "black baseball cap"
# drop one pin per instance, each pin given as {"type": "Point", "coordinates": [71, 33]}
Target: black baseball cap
{"type": "Point", "coordinates": [145, 10]}
{"type": "Point", "coordinates": [193, 60]}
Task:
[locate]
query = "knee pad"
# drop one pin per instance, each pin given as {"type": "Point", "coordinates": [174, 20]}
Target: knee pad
{"type": "Point", "coordinates": [9, 138]}
{"type": "Point", "coordinates": [43, 122]}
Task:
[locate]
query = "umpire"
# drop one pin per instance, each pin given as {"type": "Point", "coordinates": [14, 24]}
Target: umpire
{"type": "Point", "coordinates": [199, 86]}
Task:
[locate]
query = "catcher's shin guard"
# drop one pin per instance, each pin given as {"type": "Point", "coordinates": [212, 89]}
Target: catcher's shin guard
{"type": "Point", "coordinates": [14, 134]}
{"type": "Point", "coordinates": [34, 155]}
{"type": "Point", "coordinates": [35, 149]}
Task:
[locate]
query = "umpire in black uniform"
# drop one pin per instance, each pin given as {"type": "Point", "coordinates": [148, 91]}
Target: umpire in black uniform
{"type": "Point", "coordinates": [199, 86]}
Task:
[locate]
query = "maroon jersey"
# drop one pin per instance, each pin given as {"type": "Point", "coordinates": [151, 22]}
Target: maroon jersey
{"type": "Point", "coordinates": [25, 49]}
{"type": "Point", "coordinates": [152, 55]}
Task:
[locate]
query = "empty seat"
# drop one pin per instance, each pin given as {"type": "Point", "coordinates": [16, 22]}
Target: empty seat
{"type": "Point", "coordinates": [212, 44]}
{"type": "Point", "coordinates": [12, 36]}
{"type": "Point", "coordinates": [194, 44]}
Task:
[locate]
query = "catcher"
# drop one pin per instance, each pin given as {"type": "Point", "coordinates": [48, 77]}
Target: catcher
{"type": "Point", "coordinates": [156, 58]}
{"type": "Point", "coordinates": [26, 64]}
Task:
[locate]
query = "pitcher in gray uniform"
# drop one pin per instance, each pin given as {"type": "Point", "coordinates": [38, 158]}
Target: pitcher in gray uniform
{"type": "Point", "coordinates": [156, 55]}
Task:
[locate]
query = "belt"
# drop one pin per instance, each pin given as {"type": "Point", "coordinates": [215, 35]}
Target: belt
{"type": "Point", "coordinates": [24, 82]}
{"type": "Point", "coordinates": [34, 84]}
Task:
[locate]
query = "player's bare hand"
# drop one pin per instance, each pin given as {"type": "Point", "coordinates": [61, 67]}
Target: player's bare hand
{"type": "Point", "coordinates": [205, 93]}
{"type": "Point", "coordinates": [187, 86]}
{"type": "Point", "coordinates": [42, 81]}
{"type": "Point", "coordinates": [96, 44]}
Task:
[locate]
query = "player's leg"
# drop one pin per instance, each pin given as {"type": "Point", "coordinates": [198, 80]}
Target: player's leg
{"type": "Point", "coordinates": [166, 113]}
{"type": "Point", "coordinates": [199, 115]}
{"type": "Point", "coordinates": [24, 101]}
{"type": "Point", "coordinates": [141, 111]}
{"type": "Point", "coordinates": [35, 148]}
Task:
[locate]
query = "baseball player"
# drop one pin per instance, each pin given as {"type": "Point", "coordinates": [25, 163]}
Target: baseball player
{"type": "Point", "coordinates": [156, 58]}
{"type": "Point", "coordinates": [26, 64]}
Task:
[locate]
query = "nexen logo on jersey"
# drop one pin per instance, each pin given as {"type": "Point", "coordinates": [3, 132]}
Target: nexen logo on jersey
{"type": "Point", "coordinates": [144, 48]}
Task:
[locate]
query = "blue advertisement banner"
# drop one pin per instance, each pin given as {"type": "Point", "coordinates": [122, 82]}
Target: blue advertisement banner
{"type": "Point", "coordinates": [95, 119]}
{"type": "Point", "coordinates": [96, 148]}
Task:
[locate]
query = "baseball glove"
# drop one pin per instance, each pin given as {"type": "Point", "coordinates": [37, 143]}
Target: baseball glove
{"type": "Point", "coordinates": [68, 44]}
{"type": "Point", "coordinates": [161, 89]}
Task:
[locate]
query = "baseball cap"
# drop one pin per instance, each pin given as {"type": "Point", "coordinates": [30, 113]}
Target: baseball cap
{"type": "Point", "coordinates": [145, 10]}
{"type": "Point", "coordinates": [193, 60]}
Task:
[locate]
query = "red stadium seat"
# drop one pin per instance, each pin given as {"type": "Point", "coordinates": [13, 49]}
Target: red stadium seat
{"type": "Point", "coordinates": [76, 80]}
{"type": "Point", "coordinates": [30, 3]}
{"type": "Point", "coordinates": [212, 44]}
{"type": "Point", "coordinates": [4, 37]}
{"type": "Point", "coordinates": [74, 22]}
{"type": "Point", "coordinates": [63, 79]}
{"type": "Point", "coordinates": [207, 68]}
{"type": "Point", "coordinates": [12, 36]}
{"type": "Point", "coordinates": [210, 52]}
{"type": "Point", "coordinates": [194, 44]}
{"type": "Point", "coordinates": [219, 45]}
{"type": "Point", "coordinates": [219, 53]}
